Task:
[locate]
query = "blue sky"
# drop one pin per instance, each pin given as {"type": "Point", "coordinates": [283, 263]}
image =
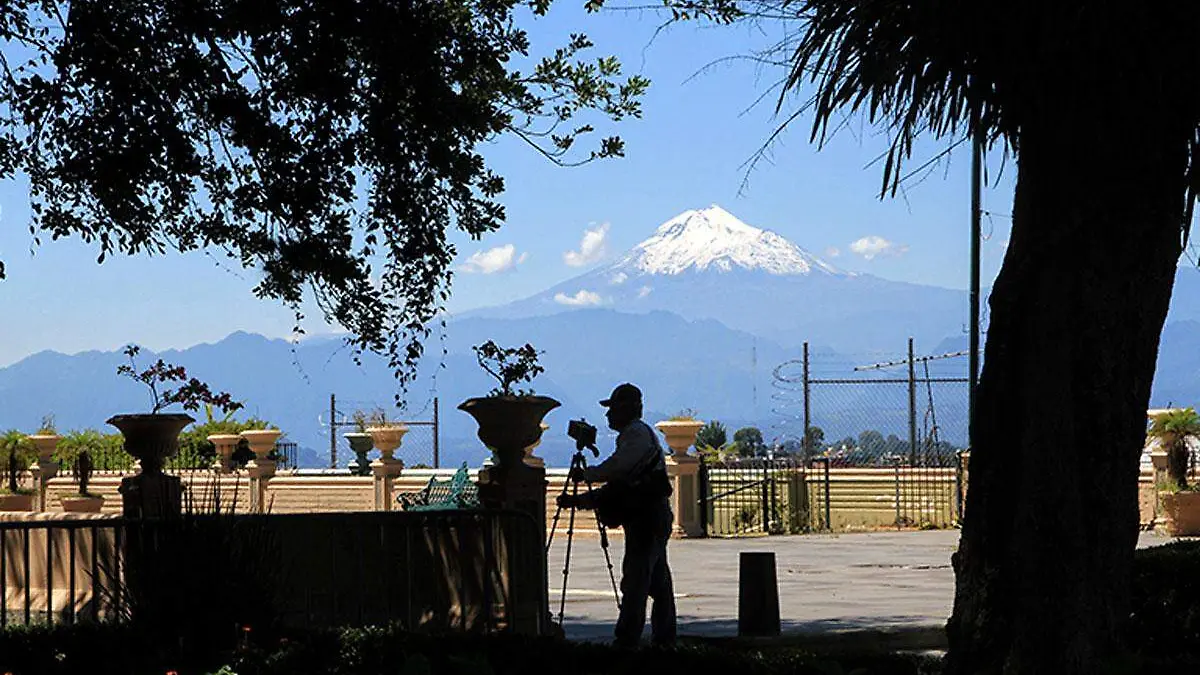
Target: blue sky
{"type": "Point", "coordinates": [689, 151]}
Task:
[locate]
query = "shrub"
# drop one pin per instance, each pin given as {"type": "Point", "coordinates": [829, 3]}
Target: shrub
{"type": "Point", "coordinates": [100, 650]}
{"type": "Point", "coordinates": [16, 454]}
{"type": "Point", "coordinates": [106, 450]}
{"type": "Point", "coordinates": [1165, 617]}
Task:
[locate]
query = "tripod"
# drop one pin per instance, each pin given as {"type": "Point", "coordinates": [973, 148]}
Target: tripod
{"type": "Point", "coordinates": [578, 463]}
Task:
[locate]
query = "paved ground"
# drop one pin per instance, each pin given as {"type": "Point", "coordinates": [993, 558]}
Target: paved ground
{"type": "Point", "coordinates": [886, 581]}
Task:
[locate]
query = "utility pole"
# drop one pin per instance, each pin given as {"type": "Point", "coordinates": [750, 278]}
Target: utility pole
{"type": "Point", "coordinates": [333, 431]}
{"type": "Point", "coordinates": [976, 171]}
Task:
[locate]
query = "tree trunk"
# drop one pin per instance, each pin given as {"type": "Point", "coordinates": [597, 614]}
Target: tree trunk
{"type": "Point", "coordinates": [1178, 455]}
{"type": "Point", "coordinates": [1044, 563]}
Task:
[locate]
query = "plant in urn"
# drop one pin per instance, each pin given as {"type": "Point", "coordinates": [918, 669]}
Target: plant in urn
{"type": "Point", "coordinates": [153, 437]}
{"type": "Point", "coordinates": [510, 420]}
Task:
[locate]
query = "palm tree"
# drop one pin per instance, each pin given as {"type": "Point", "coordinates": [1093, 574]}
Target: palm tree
{"type": "Point", "coordinates": [1175, 428]}
{"type": "Point", "coordinates": [1098, 103]}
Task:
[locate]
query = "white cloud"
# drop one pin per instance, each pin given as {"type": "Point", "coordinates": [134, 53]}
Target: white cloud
{"type": "Point", "coordinates": [493, 260]}
{"type": "Point", "coordinates": [618, 278]}
{"type": "Point", "coordinates": [643, 291]}
{"type": "Point", "coordinates": [583, 298]}
{"type": "Point", "coordinates": [591, 248]}
{"type": "Point", "coordinates": [833, 252]}
{"type": "Point", "coordinates": [874, 245]}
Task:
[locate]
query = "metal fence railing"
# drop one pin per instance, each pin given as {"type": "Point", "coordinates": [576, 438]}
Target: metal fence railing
{"type": "Point", "coordinates": [108, 454]}
{"type": "Point", "coordinates": [752, 495]}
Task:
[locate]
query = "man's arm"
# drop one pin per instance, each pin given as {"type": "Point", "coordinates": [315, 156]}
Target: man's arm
{"type": "Point", "coordinates": [633, 450]}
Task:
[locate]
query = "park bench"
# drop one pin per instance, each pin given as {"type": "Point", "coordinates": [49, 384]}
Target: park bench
{"type": "Point", "coordinates": [459, 492]}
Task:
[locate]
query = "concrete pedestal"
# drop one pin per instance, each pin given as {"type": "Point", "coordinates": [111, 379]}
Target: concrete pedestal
{"type": "Point", "coordinates": [43, 471]}
{"type": "Point", "coordinates": [684, 471]}
{"type": "Point", "coordinates": [151, 495]}
{"type": "Point", "coordinates": [515, 486]}
{"type": "Point", "coordinates": [386, 470]}
{"type": "Point", "coordinates": [260, 472]}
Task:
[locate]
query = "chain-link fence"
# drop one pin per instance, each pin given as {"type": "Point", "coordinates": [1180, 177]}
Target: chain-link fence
{"type": "Point", "coordinates": [874, 410]}
{"type": "Point", "coordinates": [882, 433]}
{"type": "Point", "coordinates": [420, 448]}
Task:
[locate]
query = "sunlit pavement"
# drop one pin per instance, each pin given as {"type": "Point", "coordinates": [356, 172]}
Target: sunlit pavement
{"type": "Point", "coordinates": [886, 582]}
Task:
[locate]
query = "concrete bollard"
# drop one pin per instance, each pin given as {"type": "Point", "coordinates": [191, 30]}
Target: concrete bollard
{"type": "Point", "coordinates": [758, 595]}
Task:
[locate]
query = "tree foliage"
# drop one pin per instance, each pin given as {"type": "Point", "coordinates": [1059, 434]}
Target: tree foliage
{"type": "Point", "coordinates": [749, 441]}
{"type": "Point", "coordinates": [331, 146]}
{"type": "Point", "coordinates": [712, 435]}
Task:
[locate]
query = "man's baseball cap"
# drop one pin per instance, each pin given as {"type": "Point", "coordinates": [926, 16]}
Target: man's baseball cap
{"type": "Point", "coordinates": [624, 394]}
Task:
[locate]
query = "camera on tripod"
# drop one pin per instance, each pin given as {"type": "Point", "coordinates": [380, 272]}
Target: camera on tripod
{"type": "Point", "coordinates": [584, 435]}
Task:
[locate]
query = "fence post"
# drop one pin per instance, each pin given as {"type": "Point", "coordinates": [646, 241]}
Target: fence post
{"type": "Point", "coordinates": [333, 431]}
{"type": "Point", "coordinates": [702, 488]}
{"type": "Point", "coordinates": [807, 442]}
{"type": "Point", "coordinates": [437, 428]}
{"type": "Point", "coordinates": [912, 406]}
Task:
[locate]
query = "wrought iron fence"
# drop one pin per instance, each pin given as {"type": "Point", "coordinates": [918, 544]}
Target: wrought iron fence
{"type": "Point", "coordinates": [752, 495]}
{"type": "Point", "coordinates": [109, 454]}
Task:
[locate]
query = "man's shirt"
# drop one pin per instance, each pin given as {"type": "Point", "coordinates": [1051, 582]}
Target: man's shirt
{"type": "Point", "coordinates": [636, 447]}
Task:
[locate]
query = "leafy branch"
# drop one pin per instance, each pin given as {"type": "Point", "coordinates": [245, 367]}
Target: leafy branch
{"type": "Point", "coordinates": [509, 365]}
{"type": "Point", "coordinates": [330, 147]}
{"type": "Point", "coordinates": [190, 394]}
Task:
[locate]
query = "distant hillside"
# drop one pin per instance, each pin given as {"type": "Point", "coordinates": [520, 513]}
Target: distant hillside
{"type": "Point", "coordinates": [679, 364]}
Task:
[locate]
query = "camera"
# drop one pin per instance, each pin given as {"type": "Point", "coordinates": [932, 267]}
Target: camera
{"type": "Point", "coordinates": [584, 435]}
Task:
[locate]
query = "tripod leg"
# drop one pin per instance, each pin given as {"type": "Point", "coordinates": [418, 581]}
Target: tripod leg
{"type": "Point", "coordinates": [558, 511]}
{"type": "Point", "coordinates": [612, 577]}
{"type": "Point", "coordinates": [562, 603]}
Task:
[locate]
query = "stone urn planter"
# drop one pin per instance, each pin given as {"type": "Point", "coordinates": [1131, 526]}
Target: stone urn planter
{"type": "Point", "coordinates": [387, 439]}
{"type": "Point", "coordinates": [81, 504]}
{"type": "Point", "coordinates": [530, 459]}
{"type": "Point", "coordinates": [45, 444]}
{"type": "Point", "coordinates": [225, 444]}
{"type": "Point", "coordinates": [509, 424]}
{"type": "Point", "coordinates": [360, 445]}
{"type": "Point", "coordinates": [262, 442]}
{"type": "Point", "coordinates": [151, 438]}
{"type": "Point", "coordinates": [680, 434]}
{"type": "Point", "coordinates": [16, 502]}
{"type": "Point", "coordinates": [1182, 510]}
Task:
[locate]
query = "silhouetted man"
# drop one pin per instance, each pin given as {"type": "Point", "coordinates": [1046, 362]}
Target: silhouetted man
{"type": "Point", "coordinates": [636, 474]}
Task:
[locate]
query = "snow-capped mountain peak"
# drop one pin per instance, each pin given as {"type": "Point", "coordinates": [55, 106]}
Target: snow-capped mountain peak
{"type": "Point", "coordinates": [714, 238]}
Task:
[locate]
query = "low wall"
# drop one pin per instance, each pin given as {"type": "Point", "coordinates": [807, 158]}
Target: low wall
{"type": "Point", "coordinates": [480, 571]}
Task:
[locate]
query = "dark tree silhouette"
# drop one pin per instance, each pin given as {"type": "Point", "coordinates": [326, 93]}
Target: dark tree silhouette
{"type": "Point", "coordinates": [712, 435]}
{"type": "Point", "coordinates": [1099, 106]}
{"type": "Point", "coordinates": [749, 441]}
{"type": "Point", "coordinates": [329, 145]}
